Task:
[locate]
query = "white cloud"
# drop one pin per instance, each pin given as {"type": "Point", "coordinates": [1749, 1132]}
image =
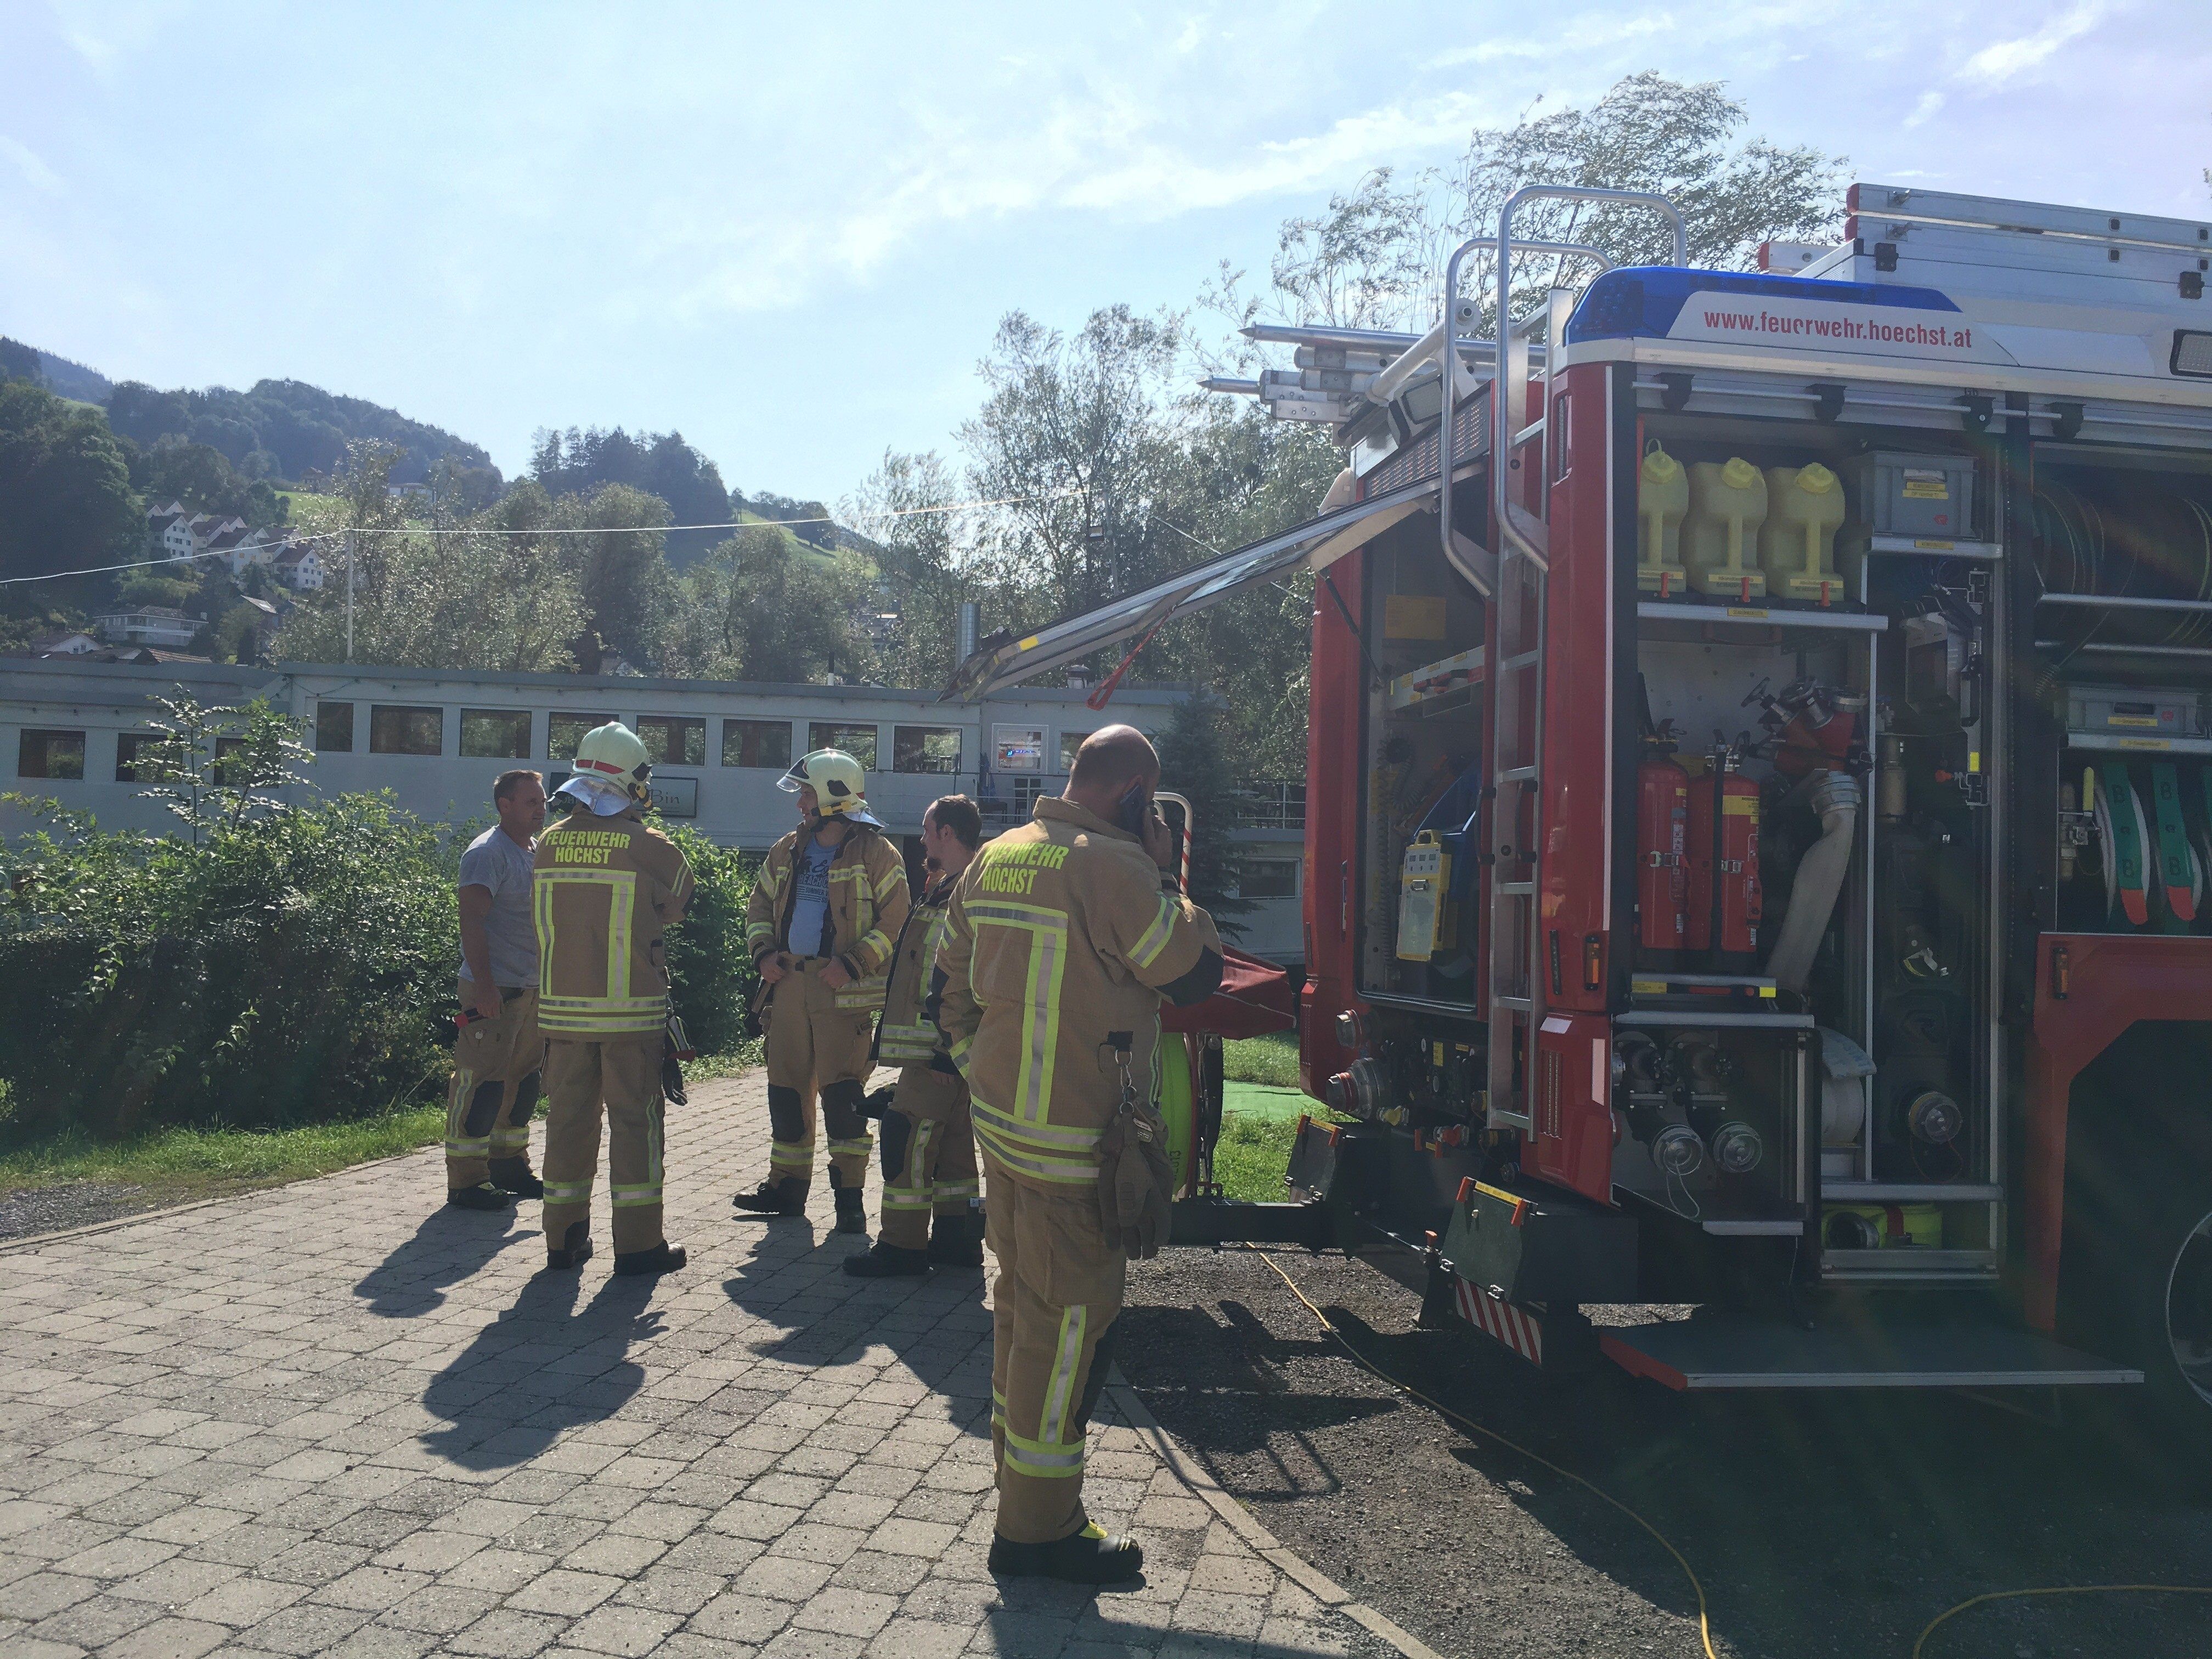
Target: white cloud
{"type": "Point", "coordinates": [36, 173]}
{"type": "Point", "coordinates": [1581, 37]}
{"type": "Point", "coordinates": [1930, 103]}
{"type": "Point", "coordinates": [2003, 61]}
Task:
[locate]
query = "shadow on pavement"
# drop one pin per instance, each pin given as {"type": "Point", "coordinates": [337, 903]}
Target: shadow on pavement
{"type": "Point", "coordinates": [447, 1246]}
{"type": "Point", "coordinates": [542, 1367]}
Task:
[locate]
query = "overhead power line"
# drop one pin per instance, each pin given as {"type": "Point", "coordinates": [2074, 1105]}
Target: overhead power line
{"type": "Point", "coordinates": [563, 530]}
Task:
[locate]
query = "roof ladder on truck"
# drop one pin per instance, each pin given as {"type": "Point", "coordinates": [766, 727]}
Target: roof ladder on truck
{"type": "Point", "coordinates": [1520, 606]}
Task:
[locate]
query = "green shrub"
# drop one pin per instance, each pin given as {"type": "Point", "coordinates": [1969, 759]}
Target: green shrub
{"type": "Point", "coordinates": [711, 970]}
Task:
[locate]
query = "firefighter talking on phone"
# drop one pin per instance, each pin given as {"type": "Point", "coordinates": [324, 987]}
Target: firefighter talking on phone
{"type": "Point", "coordinates": [1063, 939]}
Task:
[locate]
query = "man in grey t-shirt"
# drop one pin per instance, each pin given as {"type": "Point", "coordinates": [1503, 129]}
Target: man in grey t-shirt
{"type": "Point", "coordinates": [496, 1059]}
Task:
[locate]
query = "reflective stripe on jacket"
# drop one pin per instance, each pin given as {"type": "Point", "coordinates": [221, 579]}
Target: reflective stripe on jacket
{"type": "Point", "coordinates": [603, 891]}
{"type": "Point", "coordinates": [868, 905]}
{"type": "Point", "coordinates": [1057, 935]}
{"type": "Point", "coordinates": [907, 1036]}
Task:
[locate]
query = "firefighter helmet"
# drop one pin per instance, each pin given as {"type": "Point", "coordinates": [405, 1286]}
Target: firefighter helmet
{"type": "Point", "coordinates": [612, 754]}
{"type": "Point", "coordinates": [840, 785]}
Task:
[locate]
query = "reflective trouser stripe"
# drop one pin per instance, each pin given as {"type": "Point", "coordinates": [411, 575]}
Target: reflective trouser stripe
{"type": "Point", "coordinates": [913, 1189]}
{"type": "Point", "coordinates": [648, 1190]}
{"type": "Point", "coordinates": [1067, 1356]}
{"type": "Point", "coordinates": [907, 1198]}
{"type": "Point", "coordinates": [625, 1196]}
{"type": "Point", "coordinates": [1069, 1171]}
{"type": "Point", "coordinates": [510, 1140]}
{"type": "Point", "coordinates": [948, 1191]}
{"type": "Point", "coordinates": [568, 1192]}
{"type": "Point", "coordinates": [860, 1149]}
{"type": "Point", "coordinates": [468, 1148]}
{"type": "Point", "coordinates": [1048, 1460]}
{"type": "Point", "coordinates": [1069, 1156]}
{"type": "Point", "coordinates": [796, 1155]}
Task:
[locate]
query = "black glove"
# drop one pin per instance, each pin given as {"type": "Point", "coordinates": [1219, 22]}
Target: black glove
{"type": "Point", "coordinates": [876, 1104]}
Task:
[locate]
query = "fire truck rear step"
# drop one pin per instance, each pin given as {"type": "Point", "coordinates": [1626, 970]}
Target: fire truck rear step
{"type": "Point", "coordinates": [1705, 1354]}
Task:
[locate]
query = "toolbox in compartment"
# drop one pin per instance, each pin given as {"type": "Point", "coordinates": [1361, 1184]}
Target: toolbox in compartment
{"type": "Point", "coordinates": [1546, 1247]}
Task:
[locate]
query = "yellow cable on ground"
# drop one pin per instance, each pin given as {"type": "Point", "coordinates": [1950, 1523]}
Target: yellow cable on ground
{"type": "Point", "coordinates": [2055, 1589]}
{"type": "Point", "coordinates": [1705, 1626]}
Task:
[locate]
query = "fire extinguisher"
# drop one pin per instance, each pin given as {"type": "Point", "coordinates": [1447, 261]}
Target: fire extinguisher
{"type": "Point", "coordinates": [1662, 877]}
{"type": "Point", "coordinates": [1723, 896]}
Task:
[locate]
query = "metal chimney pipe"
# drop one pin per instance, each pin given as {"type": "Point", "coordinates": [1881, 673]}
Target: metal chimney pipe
{"type": "Point", "coordinates": [971, 628]}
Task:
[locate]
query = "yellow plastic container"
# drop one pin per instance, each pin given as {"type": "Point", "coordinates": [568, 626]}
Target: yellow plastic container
{"type": "Point", "coordinates": [1720, 532]}
{"type": "Point", "coordinates": [1663, 496]}
{"type": "Point", "coordinates": [1882, 1226]}
{"type": "Point", "coordinates": [1797, 542]}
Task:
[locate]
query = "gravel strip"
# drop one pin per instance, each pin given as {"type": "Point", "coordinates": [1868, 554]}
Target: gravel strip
{"type": "Point", "coordinates": [30, 1210]}
{"type": "Point", "coordinates": [1820, 1524]}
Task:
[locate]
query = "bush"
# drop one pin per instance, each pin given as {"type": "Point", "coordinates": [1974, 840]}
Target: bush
{"type": "Point", "coordinates": [293, 968]}
{"type": "Point", "coordinates": [711, 970]}
{"type": "Point", "coordinates": [290, 968]}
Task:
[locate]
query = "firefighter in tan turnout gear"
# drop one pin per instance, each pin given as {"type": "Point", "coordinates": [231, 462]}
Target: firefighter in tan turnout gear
{"type": "Point", "coordinates": [932, 1211]}
{"type": "Point", "coordinates": [830, 897]}
{"type": "Point", "coordinates": [495, 1057]}
{"type": "Point", "coordinates": [606, 887]}
{"type": "Point", "coordinates": [1063, 938]}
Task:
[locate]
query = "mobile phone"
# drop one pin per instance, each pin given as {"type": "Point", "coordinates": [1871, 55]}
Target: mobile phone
{"type": "Point", "coordinates": [1135, 811]}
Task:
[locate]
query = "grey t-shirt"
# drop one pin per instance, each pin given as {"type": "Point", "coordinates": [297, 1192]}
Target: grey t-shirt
{"type": "Point", "coordinates": [495, 861]}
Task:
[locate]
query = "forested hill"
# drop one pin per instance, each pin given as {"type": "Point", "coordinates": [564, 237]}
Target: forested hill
{"type": "Point", "coordinates": [283, 428]}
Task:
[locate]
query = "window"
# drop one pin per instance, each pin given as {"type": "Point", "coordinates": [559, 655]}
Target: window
{"type": "Point", "coordinates": [51, 755]}
{"type": "Point", "coordinates": [756, 743]}
{"type": "Point", "coordinates": [495, 733]}
{"type": "Point", "coordinates": [925, 748]}
{"type": "Point", "coordinates": [858, 741]}
{"type": "Point", "coordinates": [334, 727]}
{"type": "Point", "coordinates": [398, 729]}
{"type": "Point", "coordinates": [673, 739]}
{"type": "Point", "coordinates": [1018, 748]}
{"type": "Point", "coordinates": [1069, 742]}
{"type": "Point", "coordinates": [1275, 806]}
{"type": "Point", "coordinates": [224, 749]}
{"type": "Point", "coordinates": [132, 750]}
{"type": "Point", "coordinates": [1268, 879]}
{"type": "Point", "coordinates": [564, 731]}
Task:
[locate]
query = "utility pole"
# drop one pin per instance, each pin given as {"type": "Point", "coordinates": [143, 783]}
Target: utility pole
{"type": "Point", "coordinates": [350, 545]}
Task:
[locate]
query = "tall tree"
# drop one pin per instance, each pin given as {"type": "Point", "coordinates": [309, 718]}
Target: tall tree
{"type": "Point", "coordinates": [65, 496]}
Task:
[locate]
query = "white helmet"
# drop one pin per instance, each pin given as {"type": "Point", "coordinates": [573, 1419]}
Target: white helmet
{"type": "Point", "coordinates": [611, 770]}
{"type": "Point", "coordinates": [840, 785]}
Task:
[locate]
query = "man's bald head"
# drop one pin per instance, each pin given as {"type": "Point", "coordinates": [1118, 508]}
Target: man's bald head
{"type": "Point", "coordinates": [1107, 763]}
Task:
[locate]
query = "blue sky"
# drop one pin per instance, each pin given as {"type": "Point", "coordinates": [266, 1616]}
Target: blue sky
{"type": "Point", "coordinates": [789, 232]}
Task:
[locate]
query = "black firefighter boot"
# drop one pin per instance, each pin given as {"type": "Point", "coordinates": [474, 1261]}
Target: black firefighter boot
{"type": "Point", "coordinates": [575, 1249]}
{"type": "Point", "coordinates": [957, 1241]}
{"type": "Point", "coordinates": [852, 1211]}
{"type": "Point", "coordinates": [779, 1195]}
{"type": "Point", "coordinates": [512, 1175]}
{"type": "Point", "coordinates": [1092, 1556]}
{"type": "Point", "coordinates": [662, 1258]}
{"type": "Point", "coordinates": [883, 1260]}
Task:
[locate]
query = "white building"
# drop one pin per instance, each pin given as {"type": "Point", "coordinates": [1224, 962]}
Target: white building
{"type": "Point", "coordinates": [159, 625]}
{"type": "Point", "coordinates": [437, 740]}
{"type": "Point", "coordinates": [299, 567]}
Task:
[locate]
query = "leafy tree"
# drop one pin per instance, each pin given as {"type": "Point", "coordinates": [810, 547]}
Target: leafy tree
{"type": "Point", "coordinates": [212, 768]}
{"type": "Point", "coordinates": [202, 479]}
{"type": "Point", "coordinates": [65, 499]}
{"type": "Point", "coordinates": [628, 588]}
{"type": "Point", "coordinates": [284, 429]}
{"type": "Point", "coordinates": [1194, 763]}
{"type": "Point", "coordinates": [763, 608]}
{"type": "Point", "coordinates": [584, 461]}
{"type": "Point", "coordinates": [20, 362]}
{"type": "Point", "coordinates": [921, 555]}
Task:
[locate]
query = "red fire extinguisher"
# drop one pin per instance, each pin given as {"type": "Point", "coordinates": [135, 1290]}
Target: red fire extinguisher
{"type": "Point", "coordinates": [1724, 854]}
{"type": "Point", "coordinates": [1662, 876]}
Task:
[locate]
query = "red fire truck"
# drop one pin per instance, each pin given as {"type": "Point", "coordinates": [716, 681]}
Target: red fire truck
{"type": "Point", "coordinates": [1761, 807]}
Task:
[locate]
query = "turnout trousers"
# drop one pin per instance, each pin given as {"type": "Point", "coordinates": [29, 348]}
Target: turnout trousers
{"type": "Point", "coordinates": [1053, 1308]}
{"type": "Point", "coordinates": [496, 1072]}
{"type": "Point", "coordinates": [620, 1078]}
{"type": "Point", "coordinates": [815, 1049]}
{"type": "Point", "coordinates": [929, 1155]}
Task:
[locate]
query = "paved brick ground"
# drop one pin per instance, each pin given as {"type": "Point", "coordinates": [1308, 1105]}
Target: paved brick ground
{"type": "Point", "coordinates": [340, 1417]}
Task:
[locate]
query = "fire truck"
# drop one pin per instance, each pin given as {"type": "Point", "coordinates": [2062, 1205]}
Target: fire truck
{"type": "Point", "coordinates": [1760, 804]}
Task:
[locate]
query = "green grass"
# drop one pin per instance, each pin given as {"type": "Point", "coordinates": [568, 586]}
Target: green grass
{"type": "Point", "coordinates": [1271, 1059]}
{"type": "Point", "coordinates": [184, 1164]}
{"type": "Point", "coordinates": [1252, 1152]}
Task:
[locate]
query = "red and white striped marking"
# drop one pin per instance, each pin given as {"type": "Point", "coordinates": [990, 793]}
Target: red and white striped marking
{"type": "Point", "coordinates": [1502, 1320]}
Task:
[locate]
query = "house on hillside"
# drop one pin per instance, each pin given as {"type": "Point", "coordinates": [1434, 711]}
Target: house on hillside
{"type": "Point", "coordinates": [169, 529]}
{"type": "Point", "coordinates": [162, 626]}
{"type": "Point", "coordinates": [69, 643]}
{"type": "Point", "coordinates": [299, 567]}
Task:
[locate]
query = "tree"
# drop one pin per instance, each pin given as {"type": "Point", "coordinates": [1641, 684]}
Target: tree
{"type": "Point", "coordinates": [763, 608]}
{"type": "Point", "coordinates": [905, 509]}
{"type": "Point", "coordinates": [1378, 254]}
{"type": "Point", "coordinates": [202, 479]}
{"type": "Point", "coordinates": [213, 767]}
{"type": "Point", "coordinates": [628, 588]}
{"type": "Point", "coordinates": [20, 362]}
{"type": "Point", "coordinates": [1194, 763]}
{"type": "Point", "coordinates": [65, 498]}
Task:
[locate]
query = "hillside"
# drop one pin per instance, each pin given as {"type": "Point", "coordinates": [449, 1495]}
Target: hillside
{"type": "Point", "coordinates": [67, 380]}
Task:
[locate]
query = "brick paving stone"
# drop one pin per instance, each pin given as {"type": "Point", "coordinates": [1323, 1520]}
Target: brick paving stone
{"type": "Point", "coordinates": [339, 1418]}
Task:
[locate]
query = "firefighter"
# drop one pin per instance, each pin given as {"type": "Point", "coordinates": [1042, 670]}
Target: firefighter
{"type": "Point", "coordinates": [932, 1210]}
{"type": "Point", "coordinates": [1062, 938]}
{"type": "Point", "coordinates": [496, 1058]}
{"type": "Point", "coordinates": [830, 897]}
{"type": "Point", "coordinates": [607, 886]}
